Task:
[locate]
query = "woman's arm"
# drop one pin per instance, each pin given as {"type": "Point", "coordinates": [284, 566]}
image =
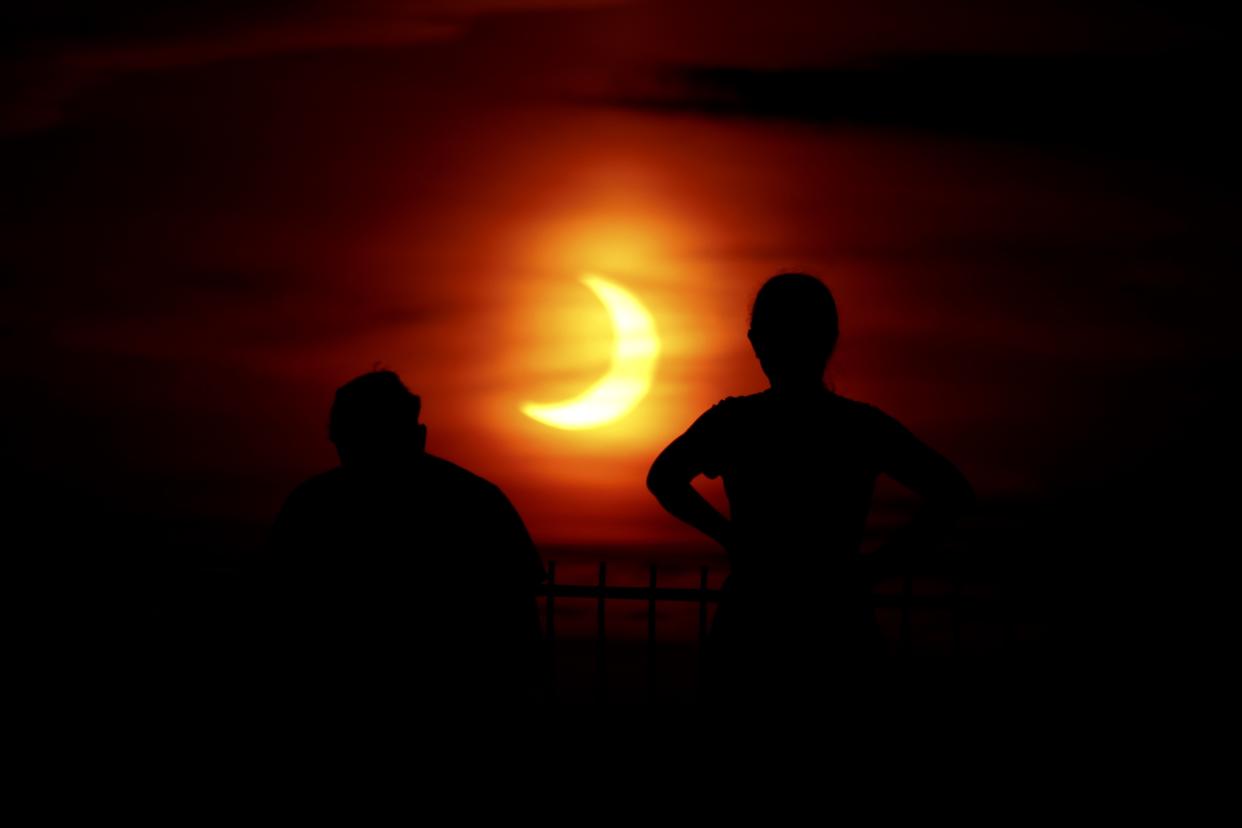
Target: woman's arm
{"type": "Point", "coordinates": [945, 492]}
{"type": "Point", "coordinates": [669, 480]}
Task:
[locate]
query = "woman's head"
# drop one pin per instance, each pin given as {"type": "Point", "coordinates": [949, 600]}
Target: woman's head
{"type": "Point", "coordinates": [794, 328]}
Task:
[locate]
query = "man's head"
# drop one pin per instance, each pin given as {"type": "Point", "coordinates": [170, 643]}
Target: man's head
{"type": "Point", "coordinates": [794, 328]}
{"type": "Point", "coordinates": [374, 421]}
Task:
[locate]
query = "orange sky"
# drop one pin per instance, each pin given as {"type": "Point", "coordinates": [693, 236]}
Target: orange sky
{"type": "Point", "coordinates": [212, 230]}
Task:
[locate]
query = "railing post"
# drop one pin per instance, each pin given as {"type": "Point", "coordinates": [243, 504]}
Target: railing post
{"type": "Point", "coordinates": [702, 661]}
{"type": "Point", "coordinates": [549, 643]}
{"type": "Point", "coordinates": [651, 632]}
{"type": "Point", "coordinates": [702, 607]}
{"type": "Point", "coordinates": [550, 607]}
{"type": "Point", "coordinates": [601, 670]}
{"type": "Point", "coordinates": [907, 599]}
{"type": "Point", "coordinates": [955, 611]}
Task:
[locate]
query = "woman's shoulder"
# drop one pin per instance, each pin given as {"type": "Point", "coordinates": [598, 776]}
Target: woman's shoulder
{"type": "Point", "coordinates": [745, 407]}
{"type": "Point", "coordinates": [765, 399]}
{"type": "Point", "coordinates": [739, 400]}
{"type": "Point", "coordinates": [738, 405]}
{"type": "Point", "coordinates": [871, 420]}
{"type": "Point", "coordinates": [864, 413]}
{"type": "Point", "coordinates": [726, 414]}
{"type": "Point", "coordinates": [856, 407]}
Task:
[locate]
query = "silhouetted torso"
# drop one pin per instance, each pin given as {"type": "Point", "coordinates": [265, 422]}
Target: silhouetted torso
{"type": "Point", "coordinates": [799, 465]}
{"type": "Point", "coordinates": [799, 470]}
{"type": "Point", "coordinates": [421, 576]}
{"type": "Point", "coordinates": [799, 474]}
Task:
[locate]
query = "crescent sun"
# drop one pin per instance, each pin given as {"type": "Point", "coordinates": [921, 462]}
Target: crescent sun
{"type": "Point", "coordinates": [635, 349]}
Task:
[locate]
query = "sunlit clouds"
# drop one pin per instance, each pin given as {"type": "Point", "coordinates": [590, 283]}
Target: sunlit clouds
{"type": "Point", "coordinates": [209, 233]}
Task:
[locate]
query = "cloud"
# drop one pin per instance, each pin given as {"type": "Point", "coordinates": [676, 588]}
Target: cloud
{"type": "Point", "coordinates": [57, 51]}
{"type": "Point", "coordinates": [1165, 102]}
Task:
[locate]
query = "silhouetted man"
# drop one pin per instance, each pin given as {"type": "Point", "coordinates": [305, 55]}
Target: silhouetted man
{"type": "Point", "coordinates": [402, 570]}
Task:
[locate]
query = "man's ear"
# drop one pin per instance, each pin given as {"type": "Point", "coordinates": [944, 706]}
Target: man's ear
{"type": "Point", "coordinates": [422, 437]}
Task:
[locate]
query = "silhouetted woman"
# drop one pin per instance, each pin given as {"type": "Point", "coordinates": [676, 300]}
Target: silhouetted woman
{"type": "Point", "coordinates": [799, 464]}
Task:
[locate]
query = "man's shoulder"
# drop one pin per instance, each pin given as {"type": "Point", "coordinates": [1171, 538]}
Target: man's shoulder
{"type": "Point", "coordinates": [437, 470]}
{"type": "Point", "coordinates": [318, 485]}
{"type": "Point", "coordinates": [449, 473]}
{"type": "Point", "coordinates": [312, 497]}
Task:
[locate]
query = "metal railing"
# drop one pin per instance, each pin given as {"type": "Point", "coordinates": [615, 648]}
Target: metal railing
{"type": "Point", "coordinates": [906, 600]}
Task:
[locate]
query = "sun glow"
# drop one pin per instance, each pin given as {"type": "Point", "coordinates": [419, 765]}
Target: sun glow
{"type": "Point", "coordinates": [635, 350]}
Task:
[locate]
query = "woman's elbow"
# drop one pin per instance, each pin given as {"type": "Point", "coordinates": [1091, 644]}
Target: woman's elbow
{"type": "Point", "coordinates": [657, 480]}
{"type": "Point", "coordinates": [663, 481]}
{"type": "Point", "coordinates": [951, 496]}
{"type": "Point", "coordinates": [959, 497]}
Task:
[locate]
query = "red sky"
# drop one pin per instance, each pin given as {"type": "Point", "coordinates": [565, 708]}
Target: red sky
{"type": "Point", "coordinates": [217, 216]}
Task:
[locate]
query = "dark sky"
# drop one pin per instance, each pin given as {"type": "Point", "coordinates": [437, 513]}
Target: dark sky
{"type": "Point", "coordinates": [216, 213]}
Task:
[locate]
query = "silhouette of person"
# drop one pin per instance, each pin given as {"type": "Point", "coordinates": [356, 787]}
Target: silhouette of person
{"type": "Point", "coordinates": [799, 464]}
{"type": "Point", "coordinates": [400, 570]}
